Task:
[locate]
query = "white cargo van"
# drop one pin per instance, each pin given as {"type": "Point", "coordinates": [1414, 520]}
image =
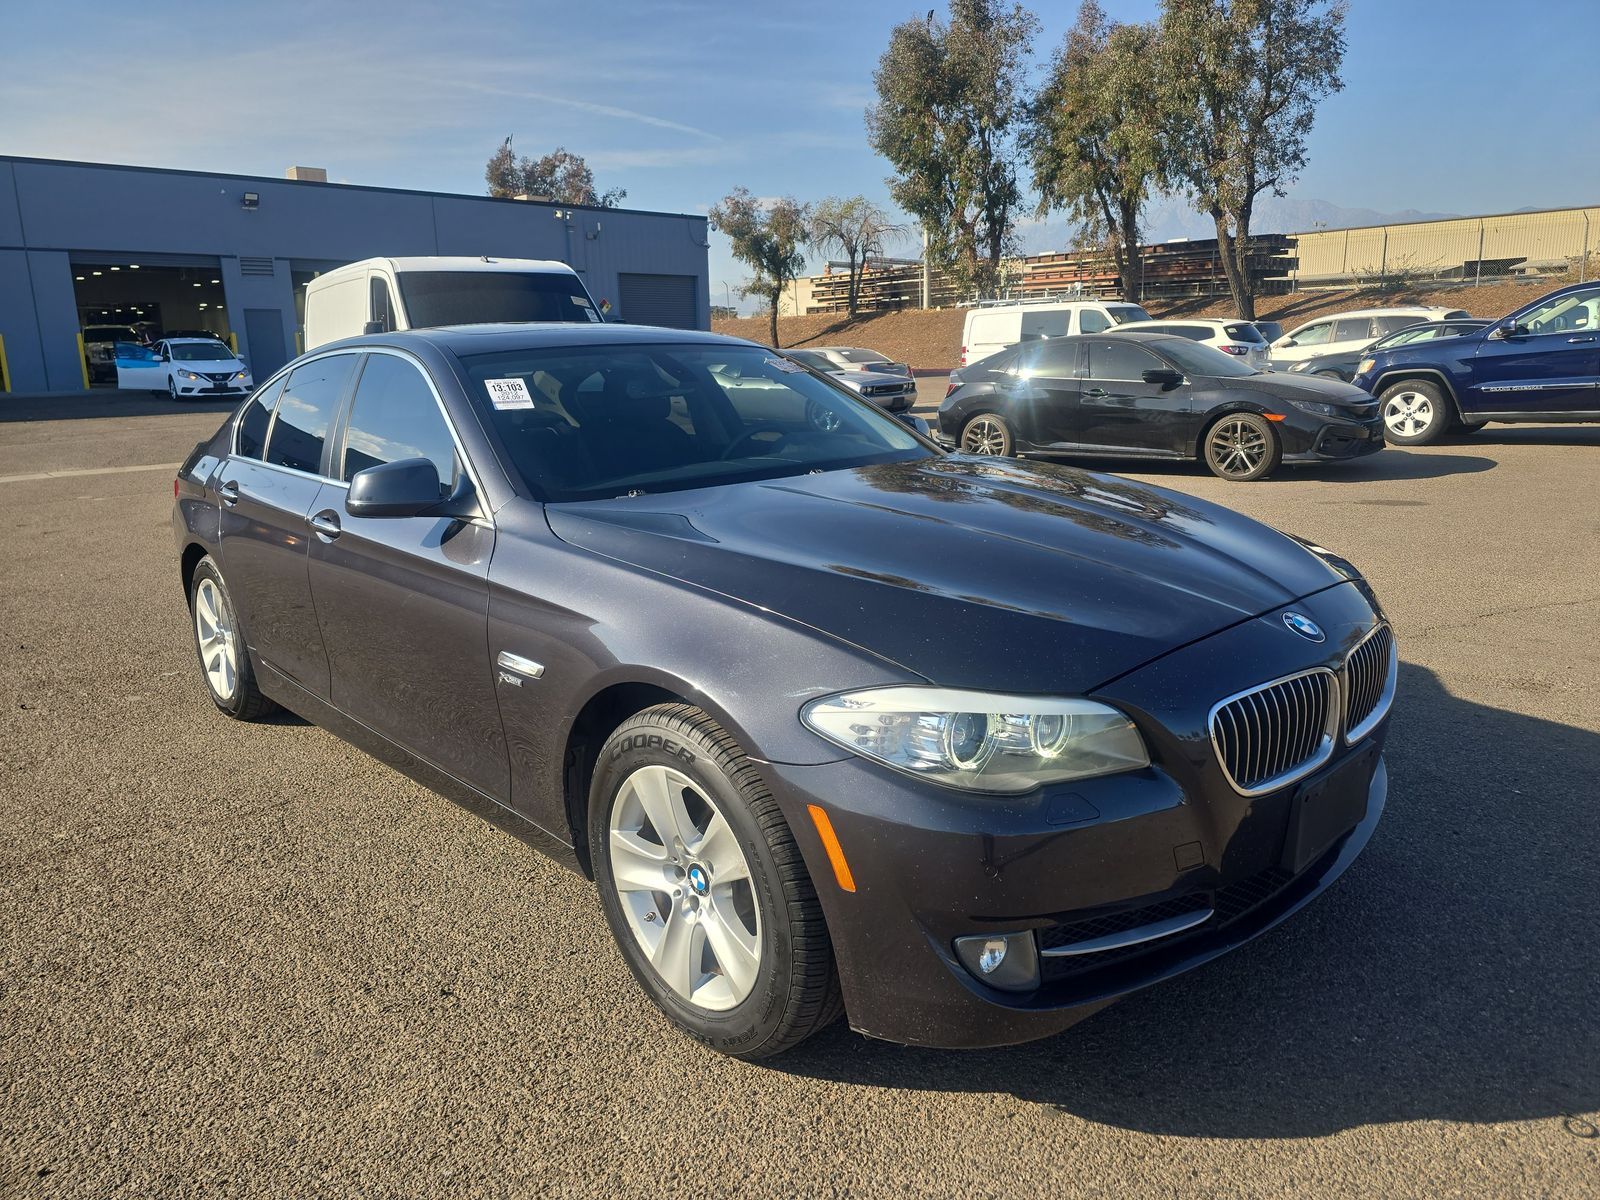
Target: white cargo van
{"type": "Point", "coordinates": [993, 327]}
{"type": "Point", "coordinates": [377, 295]}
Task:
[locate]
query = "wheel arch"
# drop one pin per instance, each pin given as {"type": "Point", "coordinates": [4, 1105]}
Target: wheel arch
{"type": "Point", "coordinates": [1427, 374]}
{"type": "Point", "coordinates": [190, 559]}
{"type": "Point", "coordinates": [1226, 409]}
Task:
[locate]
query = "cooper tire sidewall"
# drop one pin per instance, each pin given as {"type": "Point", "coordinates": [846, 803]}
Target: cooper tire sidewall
{"type": "Point", "coordinates": [744, 1027]}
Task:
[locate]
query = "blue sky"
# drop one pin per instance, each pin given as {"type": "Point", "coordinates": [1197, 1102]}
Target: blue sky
{"type": "Point", "coordinates": [1460, 106]}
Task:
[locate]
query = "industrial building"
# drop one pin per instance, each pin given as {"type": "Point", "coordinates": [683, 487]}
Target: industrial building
{"type": "Point", "coordinates": [93, 244]}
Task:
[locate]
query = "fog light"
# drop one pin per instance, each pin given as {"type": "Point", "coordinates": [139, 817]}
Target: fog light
{"type": "Point", "coordinates": [1008, 961]}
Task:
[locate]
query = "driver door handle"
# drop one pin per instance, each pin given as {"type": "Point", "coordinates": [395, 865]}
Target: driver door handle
{"type": "Point", "coordinates": [1573, 341]}
{"type": "Point", "coordinates": [1094, 392]}
{"type": "Point", "coordinates": [326, 523]}
{"type": "Point", "coordinates": [228, 489]}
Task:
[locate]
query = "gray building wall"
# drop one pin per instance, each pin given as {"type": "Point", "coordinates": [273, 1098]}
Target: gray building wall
{"type": "Point", "coordinates": [52, 210]}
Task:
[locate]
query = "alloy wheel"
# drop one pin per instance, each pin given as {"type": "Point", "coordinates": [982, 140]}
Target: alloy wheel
{"type": "Point", "coordinates": [983, 435]}
{"type": "Point", "coordinates": [218, 639]}
{"type": "Point", "coordinates": [1408, 413]}
{"type": "Point", "coordinates": [1237, 447]}
{"type": "Point", "coordinates": [685, 888]}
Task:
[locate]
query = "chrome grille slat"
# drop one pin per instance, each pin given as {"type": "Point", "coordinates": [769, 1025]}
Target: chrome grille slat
{"type": "Point", "coordinates": [1272, 735]}
{"type": "Point", "coordinates": [1369, 671]}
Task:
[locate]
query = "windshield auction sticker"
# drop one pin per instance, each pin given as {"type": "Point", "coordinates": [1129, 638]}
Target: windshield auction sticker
{"type": "Point", "coordinates": [508, 393]}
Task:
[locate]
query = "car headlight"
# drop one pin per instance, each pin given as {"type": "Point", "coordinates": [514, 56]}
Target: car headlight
{"type": "Point", "coordinates": [1321, 409]}
{"type": "Point", "coordinates": [182, 374]}
{"type": "Point", "coordinates": [241, 375]}
{"type": "Point", "coordinates": [1302, 365]}
{"type": "Point", "coordinates": [1365, 365]}
{"type": "Point", "coordinates": [978, 740]}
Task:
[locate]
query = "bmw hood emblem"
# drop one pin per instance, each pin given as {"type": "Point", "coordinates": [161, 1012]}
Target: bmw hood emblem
{"type": "Point", "coordinates": [1304, 626]}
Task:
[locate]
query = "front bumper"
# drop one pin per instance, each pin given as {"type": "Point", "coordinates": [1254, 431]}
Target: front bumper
{"type": "Point", "coordinates": [1333, 441]}
{"type": "Point", "coordinates": [191, 387]}
{"type": "Point", "coordinates": [931, 865]}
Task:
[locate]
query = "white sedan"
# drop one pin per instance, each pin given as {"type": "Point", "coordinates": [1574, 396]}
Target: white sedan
{"type": "Point", "coordinates": [181, 367]}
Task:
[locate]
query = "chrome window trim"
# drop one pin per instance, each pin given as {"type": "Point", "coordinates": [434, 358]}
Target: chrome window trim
{"type": "Point", "coordinates": [1328, 742]}
{"type": "Point", "coordinates": [1390, 682]}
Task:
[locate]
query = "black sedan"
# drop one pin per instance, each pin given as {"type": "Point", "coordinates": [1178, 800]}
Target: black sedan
{"type": "Point", "coordinates": [1151, 395]}
{"type": "Point", "coordinates": [837, 723]}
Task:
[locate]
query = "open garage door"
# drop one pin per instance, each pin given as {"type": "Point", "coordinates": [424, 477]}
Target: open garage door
{"type": "Point", "coordinates": [139, 299]}
{"type": "Point", "coordinates": [658, 300]}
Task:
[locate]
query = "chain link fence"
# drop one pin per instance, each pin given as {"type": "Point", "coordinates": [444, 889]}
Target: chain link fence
{"type": "Point", "coordinates": [1562, 244]}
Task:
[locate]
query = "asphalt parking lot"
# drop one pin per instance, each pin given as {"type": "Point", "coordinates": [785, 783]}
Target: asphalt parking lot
{"type": "Point", "coordinates": [249, 960]}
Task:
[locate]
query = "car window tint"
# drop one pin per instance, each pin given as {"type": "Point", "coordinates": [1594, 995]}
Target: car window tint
{"type": "Point", "coordinates": [1243, 332]}
{"type": "Point", "coordinates": [1092, 320]}
{"type": "Point", "coordinates": [1054, 360]}
{"type": "Point", "coordinates": [1313, 335]}
{"type": "Point", "coordinates": [254, 421]}
{"type": "Point", "coordinates": [382, 310]}
{"type": "Point", "coordinates": [1045, 325]}
{"type": "Point", "coordinates": [395, 416]}
{"type": "Point", "coordinates": [1562, 314]}
{"type": "Point", "coordinates": [1121, 361]}
{"type": "Point", "coordinates": [310, 396]}
{"type": "Point", "coordinates": [1352, 329]}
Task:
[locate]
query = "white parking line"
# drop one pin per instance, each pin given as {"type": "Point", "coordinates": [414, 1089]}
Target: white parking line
{"type": "Point", "coordinates": [68, 474]}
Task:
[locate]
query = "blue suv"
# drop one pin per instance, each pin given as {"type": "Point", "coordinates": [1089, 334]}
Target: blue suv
{"type": "Point", "coordinates": [1542, 363]}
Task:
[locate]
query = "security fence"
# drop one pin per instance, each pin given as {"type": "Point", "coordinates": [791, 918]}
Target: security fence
{"type": "Point", "coordinates": [1556, 243]}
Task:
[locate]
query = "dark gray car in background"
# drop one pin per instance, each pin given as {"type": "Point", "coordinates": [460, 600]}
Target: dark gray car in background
{"type": "Point", "coordinates": [961, 747]}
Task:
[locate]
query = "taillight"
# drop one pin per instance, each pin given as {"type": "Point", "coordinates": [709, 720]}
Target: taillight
{"type": "Point", "coordinates": [174, 487]}
{"type": "Point", "coordinates": [949, 388]}
{"type": "Point", "coordinates": [1241, 351]}
{"type": "Point", "coordinates": [963, 356]}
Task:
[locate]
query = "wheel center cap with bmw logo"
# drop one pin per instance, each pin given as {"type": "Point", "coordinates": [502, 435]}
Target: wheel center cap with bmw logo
{"type": "Point", "coordinates": [699, 880]}
{"type": "Point", "coordinates": [1304, 626]}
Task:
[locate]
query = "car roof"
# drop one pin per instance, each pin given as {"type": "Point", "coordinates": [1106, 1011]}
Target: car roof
{"type": "Point", "coordinates": [1218, 321]}
{"type": "Point", "coordinates": [842, 349]}
{"type": "Point", "coordinates": [194, 341]}
{"type": "Point", "coordinates": [451, 263]}
{"type": "Point", "coordinates": [462, 340]}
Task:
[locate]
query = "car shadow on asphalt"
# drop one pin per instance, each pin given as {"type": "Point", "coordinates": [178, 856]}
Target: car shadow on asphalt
{"type": "Point", "coordinates": [1389, 464]}
{"type": "Point", "coordinates": [105, 403]}
{"type": "Point", "coordinates": [1449, 976]}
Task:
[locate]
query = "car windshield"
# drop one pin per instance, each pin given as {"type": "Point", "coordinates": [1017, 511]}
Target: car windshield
{"type": "Point", "coordinates": [1244, 332]}
{"type": "Point", "coordinates": [1121, 314]}
{"type": "Point", "coordinates": [435, 298]}
{"type": "Point", "coordinates": [199, 351]}
{"type": "Point", "coordinates": [814, 360]}
{"type": "Point", "coordinates": [1195, 358]}
{"type": "Point", "coordinates": [588, 423]}
{"type": "Point", "coordinates": [862, 356]}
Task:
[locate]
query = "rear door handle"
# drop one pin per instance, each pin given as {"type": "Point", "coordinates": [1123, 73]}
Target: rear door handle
{"type": "Point", "coordinates": [326, 523]}
{"type": "Point", "coordinates": [1577, 340]}
{"type": "Point", "coordinates": [228, 489]}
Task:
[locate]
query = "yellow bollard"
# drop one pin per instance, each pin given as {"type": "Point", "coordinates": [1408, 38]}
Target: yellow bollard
{"type": "Point", "coordinates": [233, 343]}
{"type": "Point", "coordinates": [83, 361]}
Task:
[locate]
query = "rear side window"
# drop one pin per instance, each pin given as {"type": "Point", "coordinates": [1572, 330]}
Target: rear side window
{"type": "Point", "coordinates": [310, 398]}
{"type": "Point", "coordinates": [394, 416]}
{"type": "Point", "coordinates": [1352, 329]}
{"type": "Point", "coordinates": [251, 441]}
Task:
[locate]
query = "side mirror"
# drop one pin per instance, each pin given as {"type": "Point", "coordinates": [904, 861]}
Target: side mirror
{"type": "Point", "coordinates": [1165, 376]}
{"type": "Point", "coordinates": [166, 356]}
{"type": "Point", "coordinates": [372, 327]}
{"type": "Point", "coordinates": [398, 489]}
{"type": "Point", "coordinates": [1509, 328]}
{"type": "Point", "coordinates": [1284, 343]}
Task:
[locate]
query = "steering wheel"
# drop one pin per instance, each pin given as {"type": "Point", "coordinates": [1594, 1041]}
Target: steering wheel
{"type": "Point", "coordinates": [733, 451]}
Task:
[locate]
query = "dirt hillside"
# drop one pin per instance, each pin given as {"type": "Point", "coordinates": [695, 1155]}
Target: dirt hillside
{"type": "Point", "coordinates": [931, 340]}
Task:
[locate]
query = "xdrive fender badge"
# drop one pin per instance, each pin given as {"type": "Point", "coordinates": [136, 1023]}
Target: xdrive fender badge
{"type": "Point", "coordinates": [1304, 626]}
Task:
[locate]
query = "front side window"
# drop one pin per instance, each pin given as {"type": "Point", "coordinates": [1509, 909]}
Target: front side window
{"type": "Point", "coordinates": [251, 441]}
{"type": "Point", "coordinates": [1122, 362]}
{"type": "Point", "coordinates": [310, 398]}
{"type": "Point", "coordinates": [382, 310]}
{"type": "Point", "coordinates": [394, 416]}
{"type": "Point", "coordinates": [1387, 325]}
{"type": "Point", "coordinates": [1122, 314]}
{"type": "Point", "coordinates": [1313, 335]}
{"type": "Point", "coordinates": [1563, 314]}
{"type": "Point", "coordinates": [435, 298]}
{"type": "Point", "coordinates": [592, 423]}
{"type": "Point", "coordinates": [1092, 320]}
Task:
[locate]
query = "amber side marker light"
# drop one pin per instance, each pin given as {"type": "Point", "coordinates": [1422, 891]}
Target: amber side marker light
{"type": "Point", "coordinates": [1274, 416]}
{"type": "Point", "coordinates": [830, 843]}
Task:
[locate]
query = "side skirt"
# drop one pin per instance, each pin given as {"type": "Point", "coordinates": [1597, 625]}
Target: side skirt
{"type": "Point", "coordinates": [319, 712]}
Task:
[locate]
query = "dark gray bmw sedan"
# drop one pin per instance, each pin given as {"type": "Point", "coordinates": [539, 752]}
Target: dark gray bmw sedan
{"type": "Point", "coordinates": [960, 747]}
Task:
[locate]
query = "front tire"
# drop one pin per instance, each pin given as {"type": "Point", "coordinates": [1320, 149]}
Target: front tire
{"type": "Point", "coordinates": [172, 389]}
{"type": "Point", "coordinates": [219, 643]}
{"type": "Point", "coordinates": [704, 888]}
{"type": "Point", "coordinates": [1415, 412]}
{"type": "Point", "coordinates": [987, 433]}
{"type": "Point", "coordinates": [1242, 447]}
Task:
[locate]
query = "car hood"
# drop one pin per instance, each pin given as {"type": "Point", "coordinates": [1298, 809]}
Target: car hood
{"type": "Point", "coordinates": [981, 573]}
{"type": "Point", "coordinates": [1284, 385]}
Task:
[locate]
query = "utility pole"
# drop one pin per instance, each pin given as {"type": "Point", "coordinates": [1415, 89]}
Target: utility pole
{"type": "Point", "coordinates": [927, 278]}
